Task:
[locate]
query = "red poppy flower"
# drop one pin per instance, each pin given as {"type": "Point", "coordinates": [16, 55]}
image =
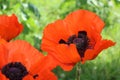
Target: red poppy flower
{"type": "Point", "coordinates": [76, 38]}
{"type": "Point", "coordinates": [9, 27]}
{"type": "Point", "coordinates": [20, 61]}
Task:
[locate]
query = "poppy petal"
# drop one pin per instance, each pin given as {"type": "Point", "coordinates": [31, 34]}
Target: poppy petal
{"type": "Point", "coordinates": [28, 77]}
{"type": "Point", "coordinates": [103, 44]}
{"type": "Point", "coordinates": [47, 75]}
{"type": "Point", "coordinates": [43, 63]}
{"type": "Point", "coordinates": [56, 31]}
{"type": "Point", "coordinates": [34, 69]}
{"type": "Point", "coordinates": [43, 69]}
{"type": "Point", "coordinates": [89, 54]}
{"type": "Point", "coordinates": [24, 49]}
{"type": "Point", "coordinates": [9, 27]}
{"type": "Point", "coordinates": [18, 57]}
{"type": "Point", "coordinates": [84, 18]}
{"type": "Point", "coordinates": [98, 24]}
{"type": "Point", "coordinates": [66, 56]}
{"type": "Point", "coordinates": [3, 55]}
{"type": "Point", "coordinates": [66, 67]}
{"type": "Point", "coordinates": [67, 53]}
{"type": "Point", "coordinates": [2, 77]}
{"type": "Point", "coordinates": [51, 63]}
{"type": "Point", "coordinates": [2, 41]}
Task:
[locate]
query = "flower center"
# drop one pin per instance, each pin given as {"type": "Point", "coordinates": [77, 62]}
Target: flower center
{"type": "Point", "coordinates": [81, 41]}
{"type": "Point", "coordinates": [14, 71]}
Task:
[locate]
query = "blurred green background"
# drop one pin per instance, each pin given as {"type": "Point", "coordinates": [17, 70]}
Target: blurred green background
{"type": "Point", "coordinates": [36, 14]}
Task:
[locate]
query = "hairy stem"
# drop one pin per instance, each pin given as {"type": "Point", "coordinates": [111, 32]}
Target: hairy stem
{"type": "Point", "coordinates": [78, 71]}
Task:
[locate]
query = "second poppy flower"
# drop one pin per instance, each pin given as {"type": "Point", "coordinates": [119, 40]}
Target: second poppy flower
{"type": "Point", "coordinates": [20, 61]}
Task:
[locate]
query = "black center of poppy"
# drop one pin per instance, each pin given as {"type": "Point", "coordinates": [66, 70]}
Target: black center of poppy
{"type": "Point", "coordinates": [14, 71]}
{"type": "Point", "coordinates": [81, 41]}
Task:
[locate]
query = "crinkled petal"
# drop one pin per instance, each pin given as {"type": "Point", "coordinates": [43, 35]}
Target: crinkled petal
{"type": "Point", "coordinates": [84, 18]}
{"type": "Point", "coordinates": [2, 41]}
{"type": "Point", "coordinates": [3, 55]}
{"type": "Point", "coordinates": [65, 56]}
{"type": "Point", "coordinates": [45, 63]}
{"type": "Point", "coordinates": [43, 69]}
{"type": "Point", "coordinates": [66, 67]}
{"type": "Point", "coordinates": [9, 27]}
{"type": "Point", "coordinates": [2, 77]}
{"type": "Point", "coordinates": [28, 77]}
{"type": "Point", "coordinates": [67, 53]}
{"type": "Point", "coordinates": [47, 75]}
{"type": "Point", "coordinates": [103, 44]}
{"type": "Point", "coordinates": [56, 31]}
{"type": "Point", "coordinates": [18, 57]}
{"type": "Point", "coordinates": [22, 50]}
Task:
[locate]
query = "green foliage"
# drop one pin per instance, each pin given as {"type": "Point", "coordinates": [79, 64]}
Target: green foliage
{"type": "Point", "coordinates": [36, 14]}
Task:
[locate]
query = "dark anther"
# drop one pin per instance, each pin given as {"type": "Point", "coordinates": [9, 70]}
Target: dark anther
{"type": "Point", "coordinates": [62, 41]}
{"type": "Point", "coordinates": [82, 34]}
{"type": "Point", "coordinates": [71, 38]}
{"type": "Point", "coordinates": [14, 71]}
{"type": "Point", "coordinates": [35, 76]}
{"type": "Point", "coordinates": [81, 41]}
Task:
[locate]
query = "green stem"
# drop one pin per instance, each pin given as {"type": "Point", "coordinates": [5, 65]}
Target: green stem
{"type": "Point", "coordinates": [78, 71]}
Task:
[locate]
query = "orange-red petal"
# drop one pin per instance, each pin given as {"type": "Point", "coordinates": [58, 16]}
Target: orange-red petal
{"type": "Point", "coordinates": [2, 77]}
{"type": "Point", "coordinates": [103, 44]}
{"type": "Point", "coordinates": [22, 51]}
{"type": "Point", "coordinates": [66, 67]}
{"type": "Point", "coordinates": [92, 53]}
{"type": "Point", "coordinates": [2, 41]}
{"type": "Point", "coordinates": [43, 69]}
{"type": "Point", "coordinates": [65, 56]}
{"type": "Point", "coordinates": [47, 75]}
{"type": "Point", "coordinates": [53, 62]}
{"type": "Point", "coordinates": [67, 53]}
{"type": "Point", "coordinates": [9, 27]}
{"type": "Point", "coordinates": [3, 55]}
{"type": "Point", "coordinates": [56, 31]}
{"type": "Point", "coordinates": [28, 77]}
{"type": "Point", "coordinates": [84, 18]}
{"type": "Point", "coordinates": [18, 57]}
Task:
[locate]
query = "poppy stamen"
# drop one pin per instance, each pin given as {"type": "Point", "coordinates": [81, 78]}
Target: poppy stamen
{"type": "Point", "coordinates": [14, 71]}
{"type": "Point", "coordinates": [62, 41]}
{"type": "Point", "coordinates": [81, 41]}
